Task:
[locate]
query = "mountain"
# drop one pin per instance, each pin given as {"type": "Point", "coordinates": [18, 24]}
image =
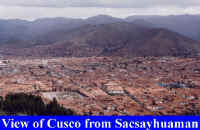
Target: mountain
{"type": "Point", "coordinates": [142, 22]}
{"type": "Point", "coordinates": [40, 31]}
{"type": "Point", "coordinates": [187, 25]}
{"type": "Point", "coordinates": [101, 36]}
{"type": "Point", "coordinates": [103, 19]}
{"type": "Point", "coordinates": [115, 39]}
{"type": "Point", "coordinates": [44, 30]}
{"type": "Point", "coordinates": [12, 30]}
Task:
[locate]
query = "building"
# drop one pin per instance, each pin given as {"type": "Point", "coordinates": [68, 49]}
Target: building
{"type": "Point", "coordinates": [3, 63]}
{"type": "Point", "coordinates": [113, 88]}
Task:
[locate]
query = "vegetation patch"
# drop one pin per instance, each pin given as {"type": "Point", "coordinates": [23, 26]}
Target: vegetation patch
{"type": "Point", "coordinates": [24, 104]}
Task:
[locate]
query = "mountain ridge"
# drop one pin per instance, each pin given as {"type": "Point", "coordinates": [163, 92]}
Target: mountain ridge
{"type": "Point", "coordinates": [114, 39]}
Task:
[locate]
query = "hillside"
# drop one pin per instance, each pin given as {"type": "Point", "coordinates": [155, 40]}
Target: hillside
{"type": "Point", "coordinates": [187, 25]}
{"type": "Point", "coordinates": [115, 39]}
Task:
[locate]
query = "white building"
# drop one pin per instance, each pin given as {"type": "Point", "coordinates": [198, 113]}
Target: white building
{"type": "Point", "coordinates": [114, 88]}
{"type": "Point", "coordinates": [3, 63]}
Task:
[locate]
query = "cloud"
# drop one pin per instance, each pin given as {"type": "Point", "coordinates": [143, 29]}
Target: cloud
{"type": "Point", "coordinates": [102, 3]}
{"type": "Point", "coordinates": [32, 13]}
{"type": "Point", "coordinates": [33, 9]}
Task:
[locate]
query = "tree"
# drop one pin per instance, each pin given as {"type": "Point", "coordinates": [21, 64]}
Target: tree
{"type": "Point", "coordinates": [31, 105]}
{"type": "Point", "coordinates": [53, 108]}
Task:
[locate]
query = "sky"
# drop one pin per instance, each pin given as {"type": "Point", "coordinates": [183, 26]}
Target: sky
{"type": "Point", "coordinates": [33, 9]}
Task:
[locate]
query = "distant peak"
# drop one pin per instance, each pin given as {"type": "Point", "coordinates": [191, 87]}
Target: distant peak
{"type": "Point", "coordinates": [102, 15]}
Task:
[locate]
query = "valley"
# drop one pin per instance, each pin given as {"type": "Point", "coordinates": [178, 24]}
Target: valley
{"type": "Point", "coordinates": [102, 65]}
{"type": "Point", "coordinates": [108, 85]}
